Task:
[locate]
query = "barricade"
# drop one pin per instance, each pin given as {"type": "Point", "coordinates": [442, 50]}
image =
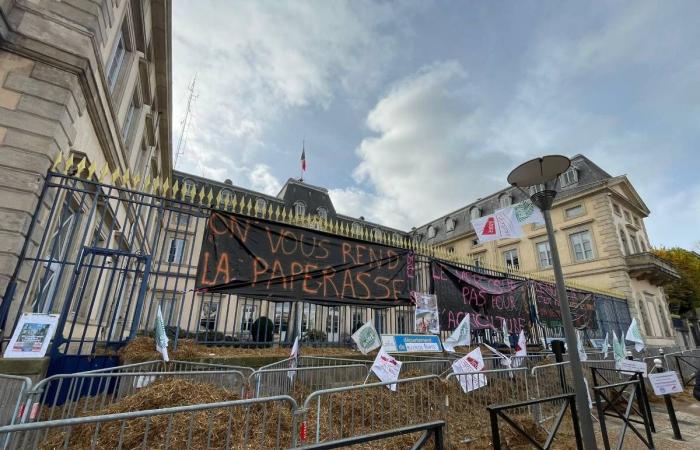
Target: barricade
{"type": "Point", "coordinates": [171, 366]}
{"type": "Point", "coordinates": [338, 413]}
{"type": "Point", "coordinates": [13, 390]}
{"type": "Point", "coordinates": [265, 423]}
{"type": "Point", "coordinates": [285, 381]}
{"type": "Point", "coordinates": [471, 422]}
{"type": "Point", "coordinates": [82, 394]}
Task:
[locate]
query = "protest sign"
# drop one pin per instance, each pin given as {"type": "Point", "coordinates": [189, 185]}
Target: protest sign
{"type": "Point", "coordinates": [386, 368]}
{"type": "Point", "coordinates": [32, 336]}
{"type": "Point", "coordinates": [665, 383]}
{"type": "Point", "coordinates": [468, 366]}
{"type": "Point", "coordinates": [631, 366]}
{"type": "Point", "coordinates": [366, 338]}
{"type": "Point", "coordinates": [426, 313]}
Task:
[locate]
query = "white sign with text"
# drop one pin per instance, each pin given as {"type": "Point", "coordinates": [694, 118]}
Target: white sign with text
{"type": "Point", "coordinates": [629, 365]}
{"type": "Point", "coordinates": [665, 383]}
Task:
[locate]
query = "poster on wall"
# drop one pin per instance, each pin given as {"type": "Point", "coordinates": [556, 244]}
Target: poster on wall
{"type": "Point", "coordinates": [581, 303]}
{"type": "Point", "coordinates": [489, 300]}
{"type": "Point", "coordinates": [427, 320]}
{"type": "Point", "coordinates": [257, 257]}
{"type": "Point", "coordinates": [32, 336]}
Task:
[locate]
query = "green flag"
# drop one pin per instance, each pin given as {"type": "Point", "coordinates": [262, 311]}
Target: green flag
{"type": "Point", "coordinates": [160, 337]}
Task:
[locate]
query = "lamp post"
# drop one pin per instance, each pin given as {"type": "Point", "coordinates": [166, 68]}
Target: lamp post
{"type": "Point", "coordinates": [544, 173]}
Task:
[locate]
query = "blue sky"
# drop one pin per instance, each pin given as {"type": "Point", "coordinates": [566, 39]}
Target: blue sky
{"type": "Point", "coordinates": [412, 109]}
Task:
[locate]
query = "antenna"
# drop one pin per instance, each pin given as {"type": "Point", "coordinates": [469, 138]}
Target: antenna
{"type": "Point", "coordinates": [185, 123]}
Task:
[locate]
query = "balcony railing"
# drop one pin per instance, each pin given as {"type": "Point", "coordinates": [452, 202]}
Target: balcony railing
{"type": "Point", "coordinates": [647, 266]}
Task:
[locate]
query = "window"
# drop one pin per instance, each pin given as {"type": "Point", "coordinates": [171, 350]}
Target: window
{"type": "Point", "coordinates": [623, 238]}
{"type": "Point", "coordinates": [474, 213]}
{"type": "Point", "coordinates": [188, 189]}
{"type": "Point", "coordinates": [569, 177]}
{"type": "Point", "coordinates": [475, 242]}
{"type": "Point", "coordinates": [664, 321]}
{"type": "Point", "coordinates": [450, 224]}
{"type": "Point", "coordinates": [574, 211]}
{"type": "Point", "coordinates": [247, 317]}
{"type": "Point", "coordinates": [356, 228]}
{"type": "Point", "coordinates": [628, 216]}
{"type": "Point", "coordinates": [636, 221]}
{"type": "Point", "coordinates": [505, 201]}
{"type": "Point", "coordinates": [260, 205]}
{"type": "Point", "coordinates": [544, 254]}
{"type": "Point", "coordinates": [644, 317]}
{"type": "Point", "coordinates": [226, 199]}
{"type": "Point", "coordinates": [536, 188]}
{"type": "Point", "coordinates": [377, 234]}
{"type": "Point", "coordinates": [432, 231]}
{"type": "Point", "coordinates": [450, 250]}
{"type": "Point", "coordinates": [635, 244]}
{"type": "Point", "coordinates": [511, 258]}
{"type": "Point", "coordinates": [395, 237]}
{"type": "Point", "coordinates": [322, 213]}
{"type": "Point", "coordinates": [209, 314]}
{"type": "Point", "coordinates": [115, 62]}
{"type": "Point", "coordinates": [299, 208]}
{"type": "Point", "coordinates": [166, 301]}
{"type": "Point", "coordinates": [616, 209]}
{"type": "Point", "coordinates": [477, 260]}
{"type": "Point", "coordinates": [129, 118]}
{"type": "Point", "coordinates": [176, 250]}
{"type": "Point", "coordinates": [403, 321]}
{"type": "Point", "coordinates": [642, 244]}
{"type": "Point", "coordinates": [282, 318]}
{"type": "Point", "coordinates": [582, 245]}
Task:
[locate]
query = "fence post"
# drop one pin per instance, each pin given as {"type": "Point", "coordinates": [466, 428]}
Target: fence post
{"type": "Point", "coordinates": [601, 417]}
{"type": "Point", "coordinates": [643, 401]}
{"type": "Point", "coordinates": [574, 419]}
{"type": "Point", "coordinates": [669, 405]}
{"type": "Point", "coordinates": [439, 437]}
{"type": "Point", "coordinates": [647, 428]}
{"type": "Point", "coordinates": [495, 436]}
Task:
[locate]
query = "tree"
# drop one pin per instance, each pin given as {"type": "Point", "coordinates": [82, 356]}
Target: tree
{"type": "Point", "coordinates": [684, 294]}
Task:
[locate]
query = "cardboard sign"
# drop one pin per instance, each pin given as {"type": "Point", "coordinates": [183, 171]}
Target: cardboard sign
{"type": "Point", "coordinates": [426, 313]}
{"type": "Point", "coordinates": [413, 343]}
{"type": "Point", "coordinates": [32, 336]}
{"type": "Point", "coordinates": [469, 366]}
{"type": "Point", "coordinates": [386, 368]}
{"type": "Point", "coordinates": [630, 366]}
{"type": "Point", "coordinates": [665, 383]}
{"type": "Point", "coordinates": [366, 338]}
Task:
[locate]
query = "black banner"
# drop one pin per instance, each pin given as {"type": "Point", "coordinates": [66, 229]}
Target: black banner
{"type": "Point", "coordinates": [489, 300]}
{"type": "Point", "coordinates": [257, 257]}
{"type": "Point", "coordinates": [581, 304]}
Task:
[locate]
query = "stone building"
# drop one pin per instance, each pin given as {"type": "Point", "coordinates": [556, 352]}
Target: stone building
{"type": "Point", "coordinates": [79, 80]}
{"type": "Point", "coordinates": [599, 225]}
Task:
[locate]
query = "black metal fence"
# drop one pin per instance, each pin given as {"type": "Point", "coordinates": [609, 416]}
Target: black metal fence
{"type": "Point", "coordinates": [105, 258]}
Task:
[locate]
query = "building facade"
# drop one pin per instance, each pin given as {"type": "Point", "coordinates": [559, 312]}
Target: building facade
{"type": "Point", "coordinates": [603, 243]}
{"type": "Point", "coordinates": [86, 84]}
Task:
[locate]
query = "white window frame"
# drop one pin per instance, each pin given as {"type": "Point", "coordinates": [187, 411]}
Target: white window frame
{"type": "Point", "coordinates": [474, 213]}
{"type": "Point", "coordinates": [450, 224]}
{"type": "Point", "coordinates": [260, 205]}
{"type": "Point", "coordinates": [299, 208]}
{"type": "Point", "coordinates": [569, 177]}
{"type": "Point", "coordinates": [579, 211]}
{"type": "Point", "coordinates": [356, 228]}
{"type": "Point", "coordinates": [578, 236]}
{"type": "Point", "coordinates": [209, 314]}
{"type": "Point", "coordinates": [129, 118]}
{"type": "Point", "coordinates": [116, 60]}
{"type": "Point", "coordinates": [248, 317]}
{"type": "Point", "coordinates": [504, 201]}
{"type": "Point", "coordinates": [511, 258]}
{"type": "Point", "coordinates": [176, 254]}
{"type": "Point", "coordinates": [187, 188]}
{"type": "Point", "coordinates": [546, 251]}
{"type": "Point", "coordinates": [432, 232]}
{"type": "Point", "coordinates": [226, 198]}
{"type": "Point", "coordinates": [322, 213]}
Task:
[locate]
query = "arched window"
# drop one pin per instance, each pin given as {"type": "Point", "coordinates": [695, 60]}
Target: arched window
{"type": "Point", "coordinates": [505, 201]}
{"type": "Point", "coordinates": [432, 231]}
{"type": "Point", "coordinates": [569, 177]}
{"type": "Point", "coordinates": [474, 213]}
{"type": "Point", "coordinates": [226, 199]}
{"type": "Point", "coordinates": [260, 205]}
{"type": "Point", "coordinates": [187, 190]}
{"type": "Point", "coordinates": [299, 208]}
{"type": "Point", "coordinates": [322, 212]}
{"type": "Point", "coordinates": [450, 224]}
{"type": "Point", "coordinates": [356, 228]}
{"type": "Point", "coordinates": [623, 238]}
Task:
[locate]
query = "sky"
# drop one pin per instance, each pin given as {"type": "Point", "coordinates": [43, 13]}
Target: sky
{"type": "Point", "coordinates": [408, 110]}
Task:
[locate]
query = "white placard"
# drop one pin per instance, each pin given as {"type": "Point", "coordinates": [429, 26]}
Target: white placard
{"type": "Point", "coordinates": [629, 365]}
{"type": "Point", "coordinates": [32, 336]}
{"type": "Point", "coordinates": [386, 368]}
{"type": "Point", "coordinates": [665, 383]}
{"type": "Point", "coordinates": [470, 365]}
{"type": "Point", "coordinates": [366, 338]}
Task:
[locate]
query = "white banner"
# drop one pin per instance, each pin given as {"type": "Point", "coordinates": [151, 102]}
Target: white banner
{"type": "Point", "coordinates": [461, 336]}
{"type": "Point", "coordinates": [367, 338]}
{"type": "Point", "coordinates": [500, 225]}
{"type": "Point", "coordinates": [386, 368]}
{"type": "Point", "coordinates": [470, 364]}
{"type": "Point", "coordinates": [295, 359]}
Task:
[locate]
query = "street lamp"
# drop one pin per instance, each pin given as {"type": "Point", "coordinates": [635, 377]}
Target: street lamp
{"type": "Point", "coordinates": [542, 175]}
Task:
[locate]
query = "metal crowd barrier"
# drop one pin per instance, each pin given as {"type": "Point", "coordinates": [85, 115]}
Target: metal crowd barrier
{"type": "Point", "coordinates": [251, 424]}
{"type": "Point", "coordinates": [284, 381]}
{"type": "Point", "coordinates": [502, 386]}
{"type": "Point", "coordinates": [83, 394]}
{"type": "Point", "coordinates": [171, 366]}
{"type": "Point", "coordinates": [343, 412]}
{"type": "Point", "coordinates": [13, 390]}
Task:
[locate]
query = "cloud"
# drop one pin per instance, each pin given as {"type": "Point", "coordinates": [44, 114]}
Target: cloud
{"type": "Point", "coordinates": [262, 180]}
{"type": "Point", "coordinates": [259, 61]}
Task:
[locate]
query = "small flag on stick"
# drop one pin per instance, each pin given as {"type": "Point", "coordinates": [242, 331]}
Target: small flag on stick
{"type": "Point", "coordinates": [160, 337]}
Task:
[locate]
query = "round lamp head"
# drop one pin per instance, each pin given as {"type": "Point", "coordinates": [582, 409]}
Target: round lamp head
{"type": "Point", "coordinates": [538, 171]}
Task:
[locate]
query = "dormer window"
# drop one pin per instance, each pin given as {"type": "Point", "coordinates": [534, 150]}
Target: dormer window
{"type": "Point", "coordinates": [356, 228]}
{"type": "Point", "coordinates": [226, 197]}
{"type": "Point", "coordinates": [187, 188]}
{"type": "Point", "coordinates": [322, 213]}
{"type": "Point", "coordinates": [474, 213]}
{"type": "Point", "coordinates": [569, 177]}
{"type": "Point", "coordinates": [432, 231]}
{"type": "Point", "coordinates": [299, 208]}
{"type": "Point", "coordinates": [377, 233]}
{"type": "Point", "coordinates": [450, 224]}
{"type": "Point", "coordinates": [260, 205]}
{"type": "Point", "coordinates": [505, 201]}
